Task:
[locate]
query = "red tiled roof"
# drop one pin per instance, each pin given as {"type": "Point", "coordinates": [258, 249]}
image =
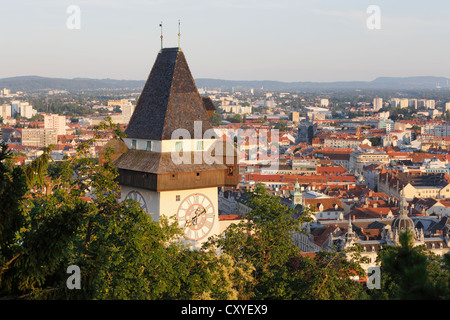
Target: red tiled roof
{"type": "Point", "coordinates": [230, 217]}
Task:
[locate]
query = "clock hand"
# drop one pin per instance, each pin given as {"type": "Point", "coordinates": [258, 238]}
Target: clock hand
{"type": "Point", "coordinates": [195, 217]}
{"type": "Point", "coordinates": [193, 220]}
{"type": "Point", "coordinates": [202, 212]}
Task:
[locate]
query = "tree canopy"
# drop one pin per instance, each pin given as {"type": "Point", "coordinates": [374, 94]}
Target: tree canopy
{"type": "Point", "coordinates": [58, 214]}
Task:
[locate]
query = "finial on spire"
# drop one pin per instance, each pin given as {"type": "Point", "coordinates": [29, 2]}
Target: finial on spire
{"type": "Point", "coordinates": [160, 25]}
{"type": "Point", "coordinates": [179, 34]}
{"type": "Point", "coordinates": [403, 204]}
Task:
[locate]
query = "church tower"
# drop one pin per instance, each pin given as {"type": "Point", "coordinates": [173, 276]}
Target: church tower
{"type": "Point", "coordinates": [173, 164]}
{"type": "Point", "coordinates": [402, 223]}
{"type": "Point", "coordinates": [297, 195]}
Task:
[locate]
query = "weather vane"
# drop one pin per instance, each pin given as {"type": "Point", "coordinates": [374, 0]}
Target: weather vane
{"type": "Point", "coordinates": [160, 25]}
{"type": "Point", "coordinates": [179, 34]}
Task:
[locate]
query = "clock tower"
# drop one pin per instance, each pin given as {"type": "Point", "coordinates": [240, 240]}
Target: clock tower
{"type": "Point", "coordinates": [167, 166]}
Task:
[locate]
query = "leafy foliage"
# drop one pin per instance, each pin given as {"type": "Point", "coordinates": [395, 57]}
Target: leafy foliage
{"type": "Point", "coordinates": [120, 251]}
{"type": "Point", "coordinates": [53, 215]}
{"type": "Point", "coordinates": [411, 272]}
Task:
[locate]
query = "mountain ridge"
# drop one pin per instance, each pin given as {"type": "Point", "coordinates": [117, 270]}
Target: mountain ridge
{"type": "Point", "coordinates": [37, 83]}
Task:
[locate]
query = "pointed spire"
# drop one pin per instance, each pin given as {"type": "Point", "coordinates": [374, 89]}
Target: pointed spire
{"type": "Point", "coordinates": [297, 187]}
{"type": "Point", "coordinates": [403, 207]}
{"type": "Point", "coordinates": [350, 236]}
{"type": "Point", "coordinates": [169, 101]}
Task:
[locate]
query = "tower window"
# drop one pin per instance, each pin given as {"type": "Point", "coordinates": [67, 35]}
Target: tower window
{"type": "Point", "coordinates": [177, 197]}
{"type": "Point", "coordinates": [179, 146]}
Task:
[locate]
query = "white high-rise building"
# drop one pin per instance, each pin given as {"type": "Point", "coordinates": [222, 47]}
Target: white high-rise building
{"type": "Point", "coordinates": [5, 92]}
{"type": "Point", "coordinates": [447, 106]}
{"type": "Point", "coordinates": [324, 102]}
{"type": "Point", "coordinates": [404, 103]}
{"type": "Point", "coordinates": [5, 110]}
{"type": "Point", "coordinates": [26, 110]}
{"type": "Point", "coordinates": [430, 104]}
{"type": "Point", "coordinates": [377, 103]}
{"type": "Point", "coordinates": [54, 121]}
{"type": "Point", "coordinates": [127, 112]}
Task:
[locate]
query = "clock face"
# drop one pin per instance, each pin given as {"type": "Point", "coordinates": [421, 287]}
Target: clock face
{"type": "Point", "coordinates": [135, 195]}
{"type": "Point", "coordinates": [196, 216]}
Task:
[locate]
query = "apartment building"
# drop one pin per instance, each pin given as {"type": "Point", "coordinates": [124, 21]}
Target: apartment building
{"type": "Point", "coordinates": [361, 158]}
{"type": "Point", "coordinates": [57, 122]}
{"type": "Point", "coordinates": [377, 103]}
{"type": "Point", "coordinates": [438, 130]}
{"type": "Point", "coordinates": [341, 142]}
{"type": "Point", "coordinates": [415, 185]}
{"type": "Point", "coordinates": [39, 137]}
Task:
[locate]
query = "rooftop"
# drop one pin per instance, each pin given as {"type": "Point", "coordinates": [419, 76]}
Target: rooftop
{"type": "Point", "coordinates": [169, 101]}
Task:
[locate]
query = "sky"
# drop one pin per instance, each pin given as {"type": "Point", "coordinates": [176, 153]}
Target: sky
{"type": "Point", "coordinates": [283, 40]}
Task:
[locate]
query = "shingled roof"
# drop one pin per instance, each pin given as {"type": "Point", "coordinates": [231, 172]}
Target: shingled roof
{"type": "Point", "coordinates": [170, 100]}
{"type": "Point", "coordinates": [159, 163]}
{"type": "Point", "coordinates": [208, 104]}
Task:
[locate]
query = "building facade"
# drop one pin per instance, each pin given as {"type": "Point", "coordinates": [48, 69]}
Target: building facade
{"type": "Point", "coordinates": [361, 158]}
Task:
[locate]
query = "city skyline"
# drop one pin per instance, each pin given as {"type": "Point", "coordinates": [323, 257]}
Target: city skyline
{"type": "Point", "coordinates": [285, 41]}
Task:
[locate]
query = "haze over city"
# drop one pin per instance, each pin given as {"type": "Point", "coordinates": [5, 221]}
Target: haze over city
{"type": "Point", "coordinates": [235, 40]}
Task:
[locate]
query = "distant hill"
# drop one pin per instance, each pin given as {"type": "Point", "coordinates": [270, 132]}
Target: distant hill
{"type": "Point", "coordinates": [379, 83]}
{"type": "Point", "coordinates": [35, 83]}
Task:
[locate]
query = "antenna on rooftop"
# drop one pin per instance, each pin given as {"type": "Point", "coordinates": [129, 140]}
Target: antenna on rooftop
{"type": "Point", "coordinates": [160, 25]}
{"type": "Point", "coordinates": [179, 34]}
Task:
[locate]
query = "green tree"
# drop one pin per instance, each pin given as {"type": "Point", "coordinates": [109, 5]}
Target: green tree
{"type": "Point", "coordinates": [33, 234]}
{"type": "Point", "coordinates": [13, 188]}
{"type": "Point", "coordinates": [237, 118]}
{"type": "Point", "coordinates": [264, 239]}
{"type": "Point", "coordinates": [326, 276]}
{"type": "Point", "coordinates": [281, 126]}
{"type": "Point", "coordinates": [216, 119]}
{"type": "Point", "coordinates": [405, 271]}
{"type": "Point", "coordinates": [121, 252]}
{"type": "Point", "coordinates": [376, 141]}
